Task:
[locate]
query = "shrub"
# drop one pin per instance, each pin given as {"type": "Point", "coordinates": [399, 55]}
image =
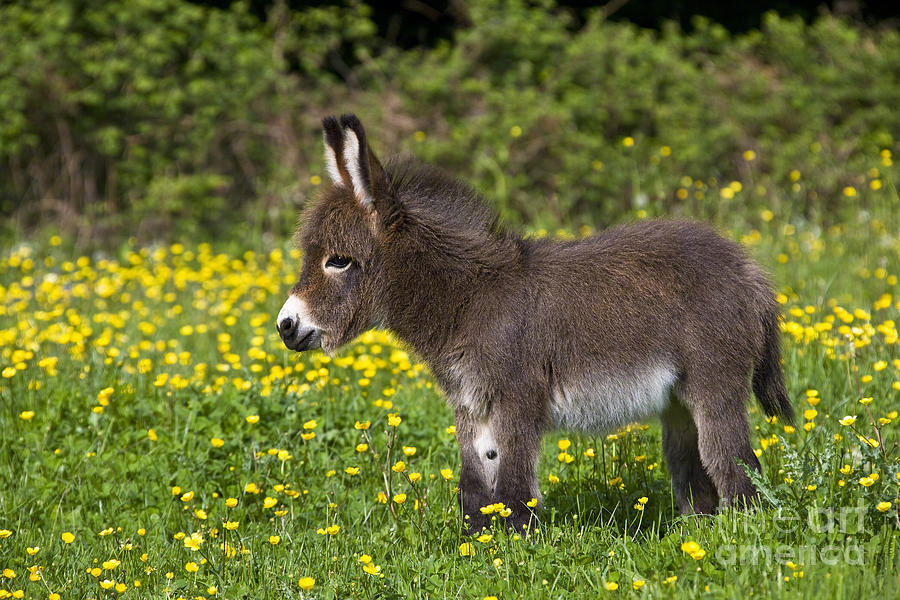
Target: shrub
{"type": "Point", "coordinates": [557, 124]}
{"type": "Point", "coordinates": [171, 119]}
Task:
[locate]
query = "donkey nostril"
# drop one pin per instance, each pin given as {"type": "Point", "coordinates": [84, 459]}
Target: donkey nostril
{"type": "Point", "coordinates": [286, 325]}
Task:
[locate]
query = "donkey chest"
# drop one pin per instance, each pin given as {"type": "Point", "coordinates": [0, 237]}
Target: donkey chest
{"type": "Point", "coordinates": [467, 389]}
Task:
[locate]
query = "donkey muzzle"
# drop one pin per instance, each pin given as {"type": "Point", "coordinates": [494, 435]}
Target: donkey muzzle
{"type": "Point", "coordinates": [295, 326]}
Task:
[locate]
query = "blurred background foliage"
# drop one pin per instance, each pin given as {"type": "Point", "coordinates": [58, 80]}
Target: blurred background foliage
{"type": "Point", "coordinates": [162, 119]}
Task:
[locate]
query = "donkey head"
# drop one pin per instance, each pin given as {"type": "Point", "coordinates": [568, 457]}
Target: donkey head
{"type": "Point", "coordinates": [339, 235]}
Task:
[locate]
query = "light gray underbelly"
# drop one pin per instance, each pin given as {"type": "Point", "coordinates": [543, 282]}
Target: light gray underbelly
{"type": "Point", "coordinates": [603, 402]}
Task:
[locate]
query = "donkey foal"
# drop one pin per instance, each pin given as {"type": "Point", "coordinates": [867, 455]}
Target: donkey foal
{"type": "Point", "coordinates": [656, 318]}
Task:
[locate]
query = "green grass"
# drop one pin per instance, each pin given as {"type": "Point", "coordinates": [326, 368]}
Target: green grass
{"type": "Point", "coordinates": [184, 338]}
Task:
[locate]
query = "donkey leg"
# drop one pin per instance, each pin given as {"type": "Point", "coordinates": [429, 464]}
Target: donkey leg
{"type": "Point", "coordinates": [476, 484]}
{"type": "Point", "coordinates": [518, 446]}
{"type": "Point", "coordinates": [694, 490]}
{"type": "Point", "coordinates": [721, 418]}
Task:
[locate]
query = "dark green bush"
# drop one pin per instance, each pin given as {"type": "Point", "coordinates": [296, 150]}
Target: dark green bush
{"type": "Point", "coordinates": [106, 102]}
{"type": "Point", "coordinates": [153, 115]}
{"type": "Point", "coordinates": [168, 119]}
{"type": "Point", "coordinates": [816, 99]}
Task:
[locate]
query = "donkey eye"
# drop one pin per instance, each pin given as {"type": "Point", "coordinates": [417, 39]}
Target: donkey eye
{"type": "Point", "coordinates": [338, 263]}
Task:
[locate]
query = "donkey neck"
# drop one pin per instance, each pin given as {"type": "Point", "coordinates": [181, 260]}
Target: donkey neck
{"type": "Point", "coordinates": [430, 277]}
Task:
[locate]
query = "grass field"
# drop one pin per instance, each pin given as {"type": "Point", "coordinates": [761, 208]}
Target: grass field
{"type": "Point", "coordinates": [158, 441]}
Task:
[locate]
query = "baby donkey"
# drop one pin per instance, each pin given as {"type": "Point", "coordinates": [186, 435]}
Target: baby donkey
{"type": "Point", "coordinates": [656, 318]}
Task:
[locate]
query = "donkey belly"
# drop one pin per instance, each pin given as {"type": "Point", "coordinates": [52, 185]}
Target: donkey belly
{"type": "Point", "coordinates": [603, 401]}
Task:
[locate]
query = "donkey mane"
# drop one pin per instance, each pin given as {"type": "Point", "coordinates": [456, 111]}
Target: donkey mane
{"type": "Point", "coordinates": [425, 189]}
{"type": "Point", "coordinates": [450, 213]}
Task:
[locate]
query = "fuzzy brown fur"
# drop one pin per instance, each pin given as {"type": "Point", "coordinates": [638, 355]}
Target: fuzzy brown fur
{"type": "Point", "coordinates": [657, 318]}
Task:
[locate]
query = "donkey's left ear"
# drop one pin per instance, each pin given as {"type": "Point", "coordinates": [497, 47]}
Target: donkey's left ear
{"type": "Point", "coordinates": [351, 162]}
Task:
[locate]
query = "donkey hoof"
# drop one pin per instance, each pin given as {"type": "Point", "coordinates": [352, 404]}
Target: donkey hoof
{"type": "Point", "coordinates": [523, 522]}
{"type": "Point", "coordinates": [473, 524]}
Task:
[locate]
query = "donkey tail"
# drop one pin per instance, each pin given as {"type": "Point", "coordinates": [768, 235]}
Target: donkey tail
{"type": "Point", "coordinates": [768, 378]}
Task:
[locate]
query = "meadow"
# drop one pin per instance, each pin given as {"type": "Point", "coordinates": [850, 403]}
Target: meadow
{"type": "Point", "coordinates": [157, 440]}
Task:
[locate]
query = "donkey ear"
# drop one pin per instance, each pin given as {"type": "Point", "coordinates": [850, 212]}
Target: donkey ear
{"type": "Point", "coordinates": [350, 161]}
{"type": "Point", "coordinates": [367, 178]}
{"type": "Point", "coordinates": [334, 147]}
